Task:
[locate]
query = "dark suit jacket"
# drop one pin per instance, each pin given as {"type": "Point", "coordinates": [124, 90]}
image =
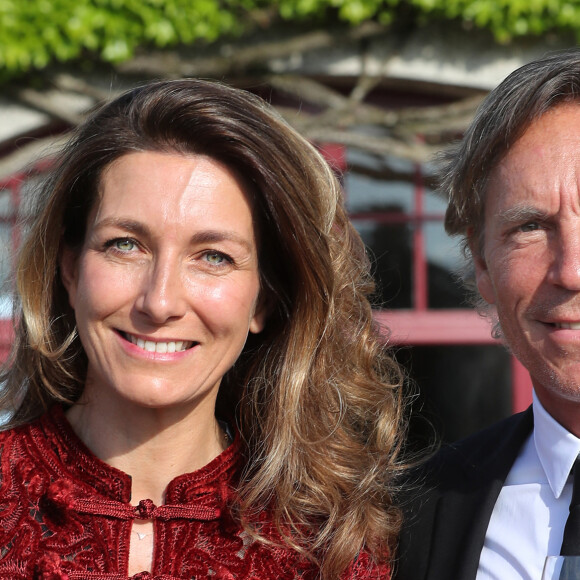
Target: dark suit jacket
{"type": "Point", "coordinates": [448, 504]}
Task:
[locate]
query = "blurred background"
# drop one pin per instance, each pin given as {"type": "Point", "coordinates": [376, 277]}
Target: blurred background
{"type": "Point", "coordinates": [378, 85]}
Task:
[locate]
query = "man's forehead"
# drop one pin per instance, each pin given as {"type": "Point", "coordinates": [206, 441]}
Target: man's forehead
{"type": "Point", "coordinates": [545, 160]}
{"type": "Point", "coordinates": [560, 119]}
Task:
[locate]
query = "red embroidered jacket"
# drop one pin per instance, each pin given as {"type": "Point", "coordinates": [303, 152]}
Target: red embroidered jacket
{"type": "Point", "coordinates": [66, 515]}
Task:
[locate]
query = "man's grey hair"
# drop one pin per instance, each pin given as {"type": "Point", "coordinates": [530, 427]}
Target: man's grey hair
{"type": "Point", "coordinates": [502, 118]}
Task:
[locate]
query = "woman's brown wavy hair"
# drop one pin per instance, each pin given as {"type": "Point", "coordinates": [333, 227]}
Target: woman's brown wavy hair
{"type": "Point", "coordinates": [316, 397]}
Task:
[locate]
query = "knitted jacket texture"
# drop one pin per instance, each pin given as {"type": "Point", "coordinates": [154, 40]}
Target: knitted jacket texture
{"type": "Point", "coordinates": [66, 515]}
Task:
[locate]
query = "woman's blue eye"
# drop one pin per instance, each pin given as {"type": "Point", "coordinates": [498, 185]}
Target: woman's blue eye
{"type": "Point", "coordinates": [215, 258]}
{"type": "Point", "coordinates": [124, 245]}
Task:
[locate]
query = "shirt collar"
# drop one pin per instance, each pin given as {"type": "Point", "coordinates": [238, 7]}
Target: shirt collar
{"type": "Point", "coordinates": [557, 448]}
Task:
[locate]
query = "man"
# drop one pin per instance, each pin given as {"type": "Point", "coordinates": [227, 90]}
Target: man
{"type": "Point", "coordinates": [495, 505]}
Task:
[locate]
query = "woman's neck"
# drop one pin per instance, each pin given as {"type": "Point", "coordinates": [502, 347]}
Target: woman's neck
{"type": "Point", "coordinates": [153, 446]}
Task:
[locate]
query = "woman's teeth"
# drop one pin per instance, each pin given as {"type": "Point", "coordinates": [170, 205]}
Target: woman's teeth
{"type": "Point", "coordinates": [159, 346]}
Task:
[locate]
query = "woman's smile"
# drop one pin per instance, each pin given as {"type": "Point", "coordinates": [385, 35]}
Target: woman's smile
{"type": "Point", "coordinates": [160, 346]}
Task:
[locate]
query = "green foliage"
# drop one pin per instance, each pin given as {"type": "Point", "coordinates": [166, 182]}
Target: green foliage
{"type": "Point", "coordinates": [509, 18]}
{"type": "Point", "coordinates": [505, 18]}
{"type": "Point", "coordinates": [34, 33]}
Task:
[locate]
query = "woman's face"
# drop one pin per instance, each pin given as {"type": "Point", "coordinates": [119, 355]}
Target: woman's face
{"type": "Point", "coordinates": [165, 288]}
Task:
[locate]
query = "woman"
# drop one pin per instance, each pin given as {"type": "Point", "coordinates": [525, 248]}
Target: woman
{"type": "Point", "coordinates": [197, 386]}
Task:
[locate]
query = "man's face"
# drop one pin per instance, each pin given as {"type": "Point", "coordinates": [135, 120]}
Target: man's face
{"type": "Point", "coordinates": [530, 262]}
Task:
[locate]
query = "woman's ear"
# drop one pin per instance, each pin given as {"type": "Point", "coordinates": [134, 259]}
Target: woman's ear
{"type": "Point", "coordinates": [68, 272]}
{"type": "Point", "coordinates": [261, 313]}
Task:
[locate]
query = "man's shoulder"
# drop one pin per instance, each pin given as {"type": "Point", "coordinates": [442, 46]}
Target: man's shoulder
{"type": "Point", "coordinates": [468, 467]}
{"type": "Point", "coordinates": [448, 500]}
{"type": "Point", "coordinates": [508, 433]}
{"type": "Point", "coordinates": [483, 454]}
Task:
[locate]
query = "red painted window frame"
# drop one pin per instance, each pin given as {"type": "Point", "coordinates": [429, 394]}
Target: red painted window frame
{"type": "Point", "coordinates": [421, 326]}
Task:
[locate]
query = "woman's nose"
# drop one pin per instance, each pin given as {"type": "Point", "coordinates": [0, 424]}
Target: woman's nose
{"type": "Point", "coordinates": [163, 294]}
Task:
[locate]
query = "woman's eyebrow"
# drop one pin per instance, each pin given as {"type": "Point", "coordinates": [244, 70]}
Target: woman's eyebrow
{"type": "Point", "coordinates": [208, 236]}
{"type": "Point", "coordinates": [214, 236]}
{"type": "Point", "coordinates": [127, 224]}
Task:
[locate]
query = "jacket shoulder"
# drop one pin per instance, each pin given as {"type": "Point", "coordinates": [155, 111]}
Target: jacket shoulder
{"type": "Point", "coordinates": [447, 501]}
{"type": "Point", "coordinates": [498, 444]}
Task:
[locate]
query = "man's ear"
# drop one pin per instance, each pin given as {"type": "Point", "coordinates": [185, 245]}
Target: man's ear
{"type": "Point", "coordinates": [68, 262]}
{"type": "Point", "coordinates": [482, 277]}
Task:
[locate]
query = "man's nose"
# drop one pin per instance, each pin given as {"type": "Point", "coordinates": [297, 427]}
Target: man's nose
{"type": "Point", "coordinates": [163, 293]}
{"type": "Point", "coordinates": [565, 270]}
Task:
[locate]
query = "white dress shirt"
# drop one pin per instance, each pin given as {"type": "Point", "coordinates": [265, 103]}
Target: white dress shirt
{"type": "Point", "coordinates": [527, 523]}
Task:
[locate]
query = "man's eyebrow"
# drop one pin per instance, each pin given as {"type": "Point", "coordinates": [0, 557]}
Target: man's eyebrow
{"type": "Point", "coordinates": [520, 214]}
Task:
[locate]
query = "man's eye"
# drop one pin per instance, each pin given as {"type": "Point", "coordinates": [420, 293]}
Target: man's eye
{"type": "Point", "coordinates": [530, 227]}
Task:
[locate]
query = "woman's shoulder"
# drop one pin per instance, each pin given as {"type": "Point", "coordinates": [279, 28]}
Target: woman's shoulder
{"type": "Point", "coordinates": [10, 432]}
{"type": "Point", "coordinates": [19, 445]}
{"type": "Point", "coordinates": [364, 567]}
